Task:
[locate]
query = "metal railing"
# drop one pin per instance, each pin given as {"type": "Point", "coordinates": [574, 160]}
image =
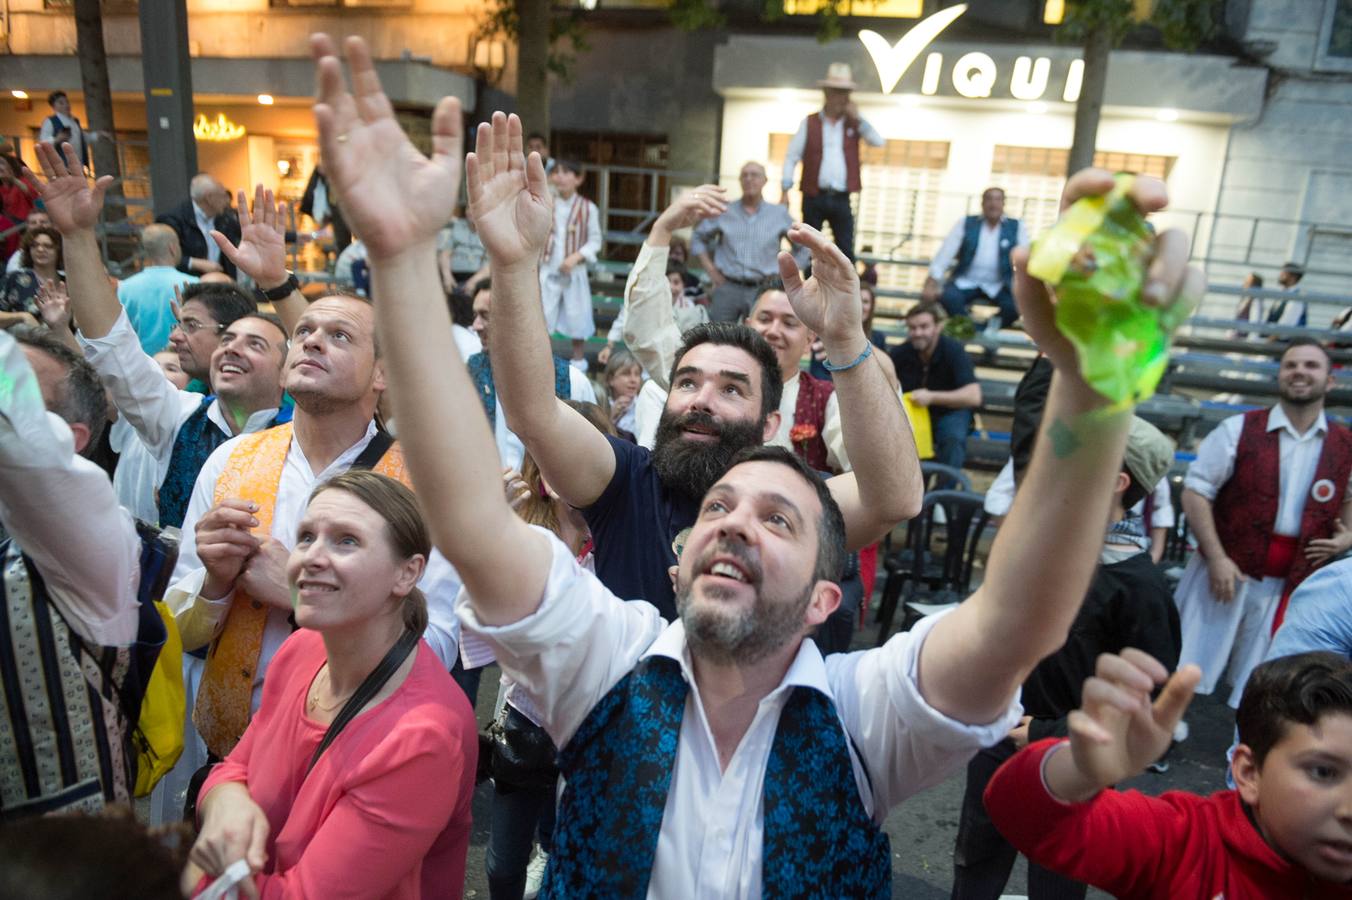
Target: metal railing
{"type": "Point", "coordinates": [1217, 240]}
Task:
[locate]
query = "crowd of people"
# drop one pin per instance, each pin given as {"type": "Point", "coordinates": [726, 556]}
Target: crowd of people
{"type": "Point", "coordinates": [378, 494]}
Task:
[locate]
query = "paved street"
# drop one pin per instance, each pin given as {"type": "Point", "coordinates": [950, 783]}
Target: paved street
{"type": "Point", "coordinates": [923, 829]}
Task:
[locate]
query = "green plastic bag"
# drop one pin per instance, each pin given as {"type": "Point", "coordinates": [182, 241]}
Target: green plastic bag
{"type": "Point", "coordinates": [1096, 257]}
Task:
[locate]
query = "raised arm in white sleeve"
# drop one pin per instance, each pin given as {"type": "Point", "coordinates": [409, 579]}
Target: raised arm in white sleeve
{"type": "Point", "coordinates": [650, 330]}
{"type": "Point", "coordinates": [141, 393]}
{"type": "Point", "coordinates": [60, 509]}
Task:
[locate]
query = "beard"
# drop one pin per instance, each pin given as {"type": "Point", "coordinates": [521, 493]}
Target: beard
{"type": "Point", "coordinates": [692, 467]}
{"type": "Point", "coordinates": [727, 635]}
{"type": "Point", "coordinates": [1287, 395]}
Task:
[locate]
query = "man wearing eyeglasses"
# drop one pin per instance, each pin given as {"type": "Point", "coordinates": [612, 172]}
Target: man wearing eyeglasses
{"type": "Point", "coordinates": [221, 340]}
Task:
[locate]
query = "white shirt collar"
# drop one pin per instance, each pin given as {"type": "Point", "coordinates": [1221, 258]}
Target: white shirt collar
{"type": "Point", "coordinates": [201, 216]}
{"type": "Point", "coordinates": [807, 669]}
{"type": "Point", "coordinates": [1277, 420]}
{"type": "Point", "coordinates": [257, 421]}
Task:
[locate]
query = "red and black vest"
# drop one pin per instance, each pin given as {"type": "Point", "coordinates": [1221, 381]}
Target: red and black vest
{"type": "Point", "coordinates": [812, 155]}
{"type": "Point", "coordinates": [1245, 508]}
{"type": "Point", "coordinates": [809, 415]}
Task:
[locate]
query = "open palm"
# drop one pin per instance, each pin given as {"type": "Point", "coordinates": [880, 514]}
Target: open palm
{"type": "Point", "coordinates": [392, 195]}
{"type": "Point", "coordinates": [261, 253]}
{"type": "Point", "coordinates": [828, 302]}
{"type": "Point", "coordinates": [509, 202]}
{"type": "Point", "coordinates": [71, 201]}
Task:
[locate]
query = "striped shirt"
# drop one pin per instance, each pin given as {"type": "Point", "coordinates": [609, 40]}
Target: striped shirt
{"type": "Point", "coordinates": [745, 244]}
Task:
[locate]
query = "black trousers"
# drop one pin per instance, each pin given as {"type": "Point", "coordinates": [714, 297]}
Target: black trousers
{"type": "Point", "coordinates": [832, 207]}
{"type": "Point", "coordinates": [983, 858]}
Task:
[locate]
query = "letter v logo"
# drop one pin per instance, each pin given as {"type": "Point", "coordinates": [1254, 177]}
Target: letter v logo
{"type": "Point", "coordinates": [891, 60]}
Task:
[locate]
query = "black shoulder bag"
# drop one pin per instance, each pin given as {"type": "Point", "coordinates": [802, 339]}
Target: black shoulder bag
{"type": "Point", "coordinates": [371, 686]}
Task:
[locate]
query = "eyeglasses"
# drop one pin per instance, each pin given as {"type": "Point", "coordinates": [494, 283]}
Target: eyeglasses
{"type": "Point", "coordinates": [192, 326]}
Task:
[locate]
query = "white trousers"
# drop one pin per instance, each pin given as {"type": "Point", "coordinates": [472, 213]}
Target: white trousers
{"type": "Point", "coordinates": [1224, 638]}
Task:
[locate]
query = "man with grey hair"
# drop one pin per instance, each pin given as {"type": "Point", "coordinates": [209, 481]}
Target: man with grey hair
{"type": "Point", "coordinates": [149, 294]}
{"type": "Point", "coordinates": [740, 247]}
{"type": "Point", "coordinates": [206, 210]}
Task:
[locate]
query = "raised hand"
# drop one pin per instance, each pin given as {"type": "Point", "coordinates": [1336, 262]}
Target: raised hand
{"type": "Point", "coordinates": [703, 202]}
{"type": "Point", "coordinates": [1117, 731]}
{"type": "Point", "coordinates": [53, 302]}
{"type": "Point", "coordinates": [828, 303]}
{"type": "Point", "coordinates": [509, 201]}
{"type": "Point", "coordinates": [261, 253]}
{"type": "Point", "coordinates": [71, 201]}
{"type": "Point", "coordinates": [1169, 281]}
{"type": "Point", "coordinates": [393, 197]}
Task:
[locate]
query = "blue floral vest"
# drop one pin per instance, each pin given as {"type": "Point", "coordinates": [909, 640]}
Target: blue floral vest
{"type": "Point", "coordinates": [818, 840]}
{"type": "Point", "coordinates": [481, 371]}
{"type": "Point", "coordinates": [971, 233]}
{"type": "Point", "coordinates": [197, 438]}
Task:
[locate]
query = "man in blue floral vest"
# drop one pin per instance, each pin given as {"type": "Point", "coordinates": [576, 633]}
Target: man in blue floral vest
{"type": "Point", "coordinates": [719, 755]}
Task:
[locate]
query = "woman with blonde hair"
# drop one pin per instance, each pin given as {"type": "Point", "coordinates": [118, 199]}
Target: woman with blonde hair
{"type": "Point", "coordinates": [326, 795]}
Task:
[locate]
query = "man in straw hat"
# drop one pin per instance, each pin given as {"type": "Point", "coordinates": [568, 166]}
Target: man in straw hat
{"type": "Point", "coordinates": [828, 144]}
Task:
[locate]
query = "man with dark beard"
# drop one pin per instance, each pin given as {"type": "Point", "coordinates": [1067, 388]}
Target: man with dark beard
{"type": "Point", "coordinates": [717, 756]}
{"type": "Point", "coordinates": [1267, 499]}
{"type": "Point", "coordinates": [725, 394]}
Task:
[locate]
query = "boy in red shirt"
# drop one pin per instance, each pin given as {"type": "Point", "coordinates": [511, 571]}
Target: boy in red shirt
{"type": "Point", "coordinates": [1285, 832]}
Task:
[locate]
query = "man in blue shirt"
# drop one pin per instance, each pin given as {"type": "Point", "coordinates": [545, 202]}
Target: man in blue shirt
{"type": "Point", "coordinates": [937, 373]}
{"type": "Point", "coordinates": [149, 294]}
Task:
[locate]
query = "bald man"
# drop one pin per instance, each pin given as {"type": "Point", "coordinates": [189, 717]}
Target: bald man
{"type": "Point", "coordinates": [207, 208]}
{"type": "Point", "coordinates": [740, 248]}
{"type": "Point", "coordinates": [149, 294]}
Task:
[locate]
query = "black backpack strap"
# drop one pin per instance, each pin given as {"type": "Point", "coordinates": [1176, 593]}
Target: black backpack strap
{"type": "Point", "coordinates": [374, 451]}
{"type": "Point", "coordinates": [368, 689]}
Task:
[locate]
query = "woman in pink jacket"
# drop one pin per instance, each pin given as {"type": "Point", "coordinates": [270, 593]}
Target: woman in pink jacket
{"type": "Point", "coordinates": [383, 811]}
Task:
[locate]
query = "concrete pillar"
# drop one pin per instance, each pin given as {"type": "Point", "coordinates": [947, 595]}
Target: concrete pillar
{"type": "Point", "coordinates": [168, 93]}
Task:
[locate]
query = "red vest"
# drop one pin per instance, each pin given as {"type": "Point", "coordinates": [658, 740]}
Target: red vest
{"type": "Point", "coordinates": [1245, 508]}
{"type": "Point", "coordinates": [812, 155]}
{"type": "Point", "coordinates": [809, 415]}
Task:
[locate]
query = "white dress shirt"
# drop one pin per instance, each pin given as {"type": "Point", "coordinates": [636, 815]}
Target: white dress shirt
{"type": "Point", "coordinates": [1215, 463]}
{"type": "Point", "coordinates": [60, 510]}
{"type": "Point", "coordinates": [200, 619]}
{"type": "Point", "coordinates": [1000, 497]}
{"type": "Point", "coordinates": [78, 136]}
{"type": "Point", "coordinates": [984, 272]}
{"type": "Point", "coordinates": [206, 224]}
{"type": "Point", "coordinates": [583, 640]}
{"type": "Point", "coordinates": [15, 262]}
{"type": "Point", "coordinates": [1294, 310]}
{"type": "Point", "coordinates": [154, 410]}
{"type": "Point", "coordinates": [833, 175]}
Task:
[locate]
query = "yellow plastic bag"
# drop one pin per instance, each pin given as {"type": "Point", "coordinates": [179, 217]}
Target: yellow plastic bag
{"type": "Point", "coordinates": [158, 738]}
{"type": "Point", "coordinates": [920, 426]}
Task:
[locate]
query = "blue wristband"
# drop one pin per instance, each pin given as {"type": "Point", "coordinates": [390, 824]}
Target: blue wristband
{"type": "Point", "coordinates": [868, 351]}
